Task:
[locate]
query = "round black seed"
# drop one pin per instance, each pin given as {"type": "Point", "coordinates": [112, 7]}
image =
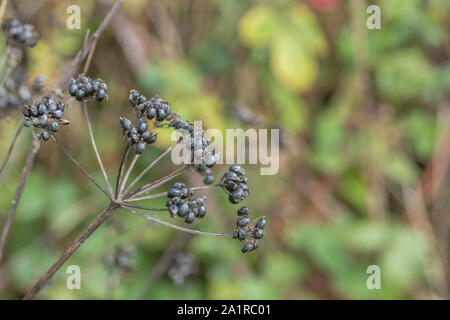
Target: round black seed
{"type": "Point", "coordinates": [34, 111]}
{"type": "Point", "coordinates": [27, 122]}
{"type": "Point", "coordinates": [58, 114]}
{"type": "Point", "coordinates": [79, 95]}
{"type": "Point", "coordinates": [151, 113]}
{"type": "Point", "coordinates": [54, 126]}
{"type": "Point", "coordinates": [173, 209]}
{"type": "Point", "coordinates": [173, 192]}
{"type": "Point", "coordinates": [247, 247]}
{"type": "Point", "coordinates": [73, 89]}
{"type": "Point", "coordinates": [45, 135]}
{"type": "Point", "coordinates": [183, 210]}
{"type": "Point", "coordinates": [241, 234]}
{"type": "Point", "coordinates": [201, 212]}
{"type": "Point", "coordinates": [101, 94]}
{"type": "Point", "coordinates": [134, 138]}
{"type": "Point", "coordinates": [43, 121]}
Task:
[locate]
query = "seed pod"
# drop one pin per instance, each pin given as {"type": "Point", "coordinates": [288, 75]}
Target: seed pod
{"type": "Point", "coordinates": [241, 234]}
{"type": "Point", "coordinates": [242, 211]}
{"type": "Point", "coordinates": [248, 247]}
{"type": "Point", "coordinates": [201, 212]}
{"type": "Point", "coordinates": [142, 127]}
{"type": "Point", "coordinates": [258, 234]}
{"type": "Point", "coordinates": [26, 112]}
{"type": "Point", "coordinates": [42, 109]}
{"type": "Point", "coordinates": [35, 121]}
{"type": "Point", "coordinates": [43, 121]}
{"type": "Point", "coordinates": [79, 95]}
{"type": "Point", "coordinates": [235, 196]}
{"type": "Point", "coordinates": [27, 122]}
{"type": "Point", "coordinates": [54, 126]}
{"type": "Point", "coordinates": [45, 135]}
{"type": "Point", "coordinates": [230, 176]}
{"type": "Point", "coordinates": [238, 170]}
{"type": "Point", "coordinates": [160, 115]}
{"type": "Point", "coordinates": [190, 217]}
{"type": "Point", "coordinates": [140, 148]}
{"type": "Point", "coordinates": [178, 185]}
{"type": "Point", "coordinates": [152, 139]}
{"type": "Point", "coordinates": [134, 94]}
{"type": "Point", "coordinates": [134, 138]}
{"type": "Point", "coordinates": [58, 114]}
{"type": "Point", "coordinates": [61, 106]}
{"type": "Point", "coordinates": [101, 94]}
{"type": "Point", "coordinates": [243, 222]}
{"type": "Point", "coordinates": [173, 209]}
{"type": "Point", "coordinates": [260, 224]}
{"type": "Point", "coordinates": [173, 192]}
{"type": "Point", "coordinates": [125, 123]}
{"type": "Point", "coordinates": [73, 89]}
{"type": "Point", "coordinates": [151, 113]}
{"type": "Point", "coordinates": [34, 111]}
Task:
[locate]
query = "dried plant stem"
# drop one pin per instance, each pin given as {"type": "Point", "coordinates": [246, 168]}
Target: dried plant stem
{"type": "Point", "coordinates": [80, 167]}
{"type": "Point", "coordinates": [164, 194]}
{"type": "Point", "coordinates": [143, 208]}
{"type": "Point", "coordinates": [23, 179]}
{"type": "Point", "coordinates": [94, 145]}
{"type": "Point", "coordinates": [121, 168]}
{"type": "Point", "coordinates": [10, 149]}
{"type": "Point", "coordinates": [139, 177]}
{"type": "Point", "coordinates": [173, 226]}
{"type": "Point", "coordinates": [69, 251]}
{"type": "Point", "coordinates": [86, 48]}
{"type": "Point", "coordinates": [155, 184]}
{"type": "Point", "coordinates": [3, 7]}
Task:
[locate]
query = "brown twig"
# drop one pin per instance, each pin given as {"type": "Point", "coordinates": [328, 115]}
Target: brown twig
{"type": "Point", "coordinates": [69, 251]}
{"type": "Point", "coordinates": [23, 179]}
{"type": "Point", "coordinates": [10, 149]}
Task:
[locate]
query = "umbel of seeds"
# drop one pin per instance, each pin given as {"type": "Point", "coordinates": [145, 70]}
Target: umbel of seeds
{"type": "Point", "coordinates": [84, 87]}
{"type": "Point", "coordinates": [46, 116]}
{"type": "Point", "coordinates": [20, 33]}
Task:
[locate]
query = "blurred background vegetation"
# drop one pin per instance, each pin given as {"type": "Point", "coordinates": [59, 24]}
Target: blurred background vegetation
{"type": "Point", "coordinates": [364, 155]}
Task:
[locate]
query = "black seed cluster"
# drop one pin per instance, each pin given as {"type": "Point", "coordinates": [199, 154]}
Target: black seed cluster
{"type": "Point", "coordinates": [84, 87]}
{"type": "Point", "coordinates": [180, 203]}
{"type": "Point", "coordinates": [46, 115]}
{"type": "Point", "coordinates": [153, 108]}
{"type": "Point", "coordinates": [246, 231]}
{"type": "Point", "coordinates": [137, 134]}
{"type": "Point", "coordinates": [123, 258]}
{"type": "Point", "coordinates": [235, 182]}
{"type": "Point", "coordinates": [20, 33]}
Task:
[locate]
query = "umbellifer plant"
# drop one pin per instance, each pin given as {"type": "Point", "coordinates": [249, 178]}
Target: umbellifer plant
{"type": "Point", "coordinates": [46, 117]}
